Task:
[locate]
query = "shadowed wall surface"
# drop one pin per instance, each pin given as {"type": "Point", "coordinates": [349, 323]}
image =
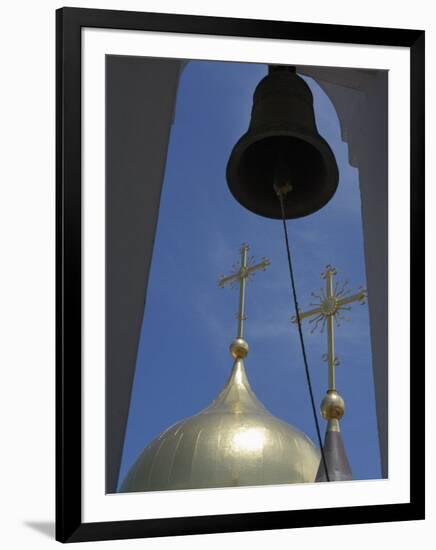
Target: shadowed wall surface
{"type": "Point", "coordinates": [140, 100]}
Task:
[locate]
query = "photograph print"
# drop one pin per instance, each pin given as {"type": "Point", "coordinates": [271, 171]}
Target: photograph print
{"type": "Point", "coordinates": [246, 274]}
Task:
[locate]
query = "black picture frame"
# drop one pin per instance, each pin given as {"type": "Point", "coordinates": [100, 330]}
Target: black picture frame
{"type": "Point", "coordinates": [69, 525]}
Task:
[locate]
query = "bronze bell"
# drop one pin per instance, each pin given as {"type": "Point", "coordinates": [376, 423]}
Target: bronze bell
{"type": "Point", "coordinates": [282, 148]}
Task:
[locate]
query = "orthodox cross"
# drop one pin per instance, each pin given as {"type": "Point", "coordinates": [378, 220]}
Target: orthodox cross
{"type": "Point", "coordinates": [242, 272]}
{"type": "Point", "coordinates": [332, 302]}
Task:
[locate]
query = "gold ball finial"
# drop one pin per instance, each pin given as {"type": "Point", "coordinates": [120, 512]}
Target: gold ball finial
{"type": "Point", "coordinates": [332, 406]}
{"type": "Point", "coordinates": [239, 348]}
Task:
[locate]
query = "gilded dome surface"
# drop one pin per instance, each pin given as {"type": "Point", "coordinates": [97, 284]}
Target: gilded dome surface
{"type": "Point", "coordinates": [233, 442]}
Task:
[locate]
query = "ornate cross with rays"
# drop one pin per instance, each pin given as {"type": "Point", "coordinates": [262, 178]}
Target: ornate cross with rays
{"type": "Point", "coordinates": [332, 302]}
{"type": "Point", "coordinates": [242, 271]}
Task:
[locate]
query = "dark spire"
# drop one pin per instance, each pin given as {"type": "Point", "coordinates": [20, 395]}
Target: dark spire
{"type": "Point", "coordinates": [338, 466]}
{"type": "Point", "coordinates": [332, 302]}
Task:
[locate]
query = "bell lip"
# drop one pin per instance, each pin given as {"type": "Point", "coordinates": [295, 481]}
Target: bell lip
{"type": "Point", "coordinates": [247, 139]}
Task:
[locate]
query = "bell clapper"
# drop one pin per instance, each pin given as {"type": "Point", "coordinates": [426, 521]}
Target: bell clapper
{"type": "Point", "coordinates": [282, 190]}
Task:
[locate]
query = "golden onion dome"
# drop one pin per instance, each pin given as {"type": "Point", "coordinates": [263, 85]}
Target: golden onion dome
{"type": "Point", "coordinates": [234, 441]}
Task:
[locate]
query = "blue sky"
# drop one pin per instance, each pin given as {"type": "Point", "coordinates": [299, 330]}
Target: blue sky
{"type": "Point", "coordinates": [183, 359]}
